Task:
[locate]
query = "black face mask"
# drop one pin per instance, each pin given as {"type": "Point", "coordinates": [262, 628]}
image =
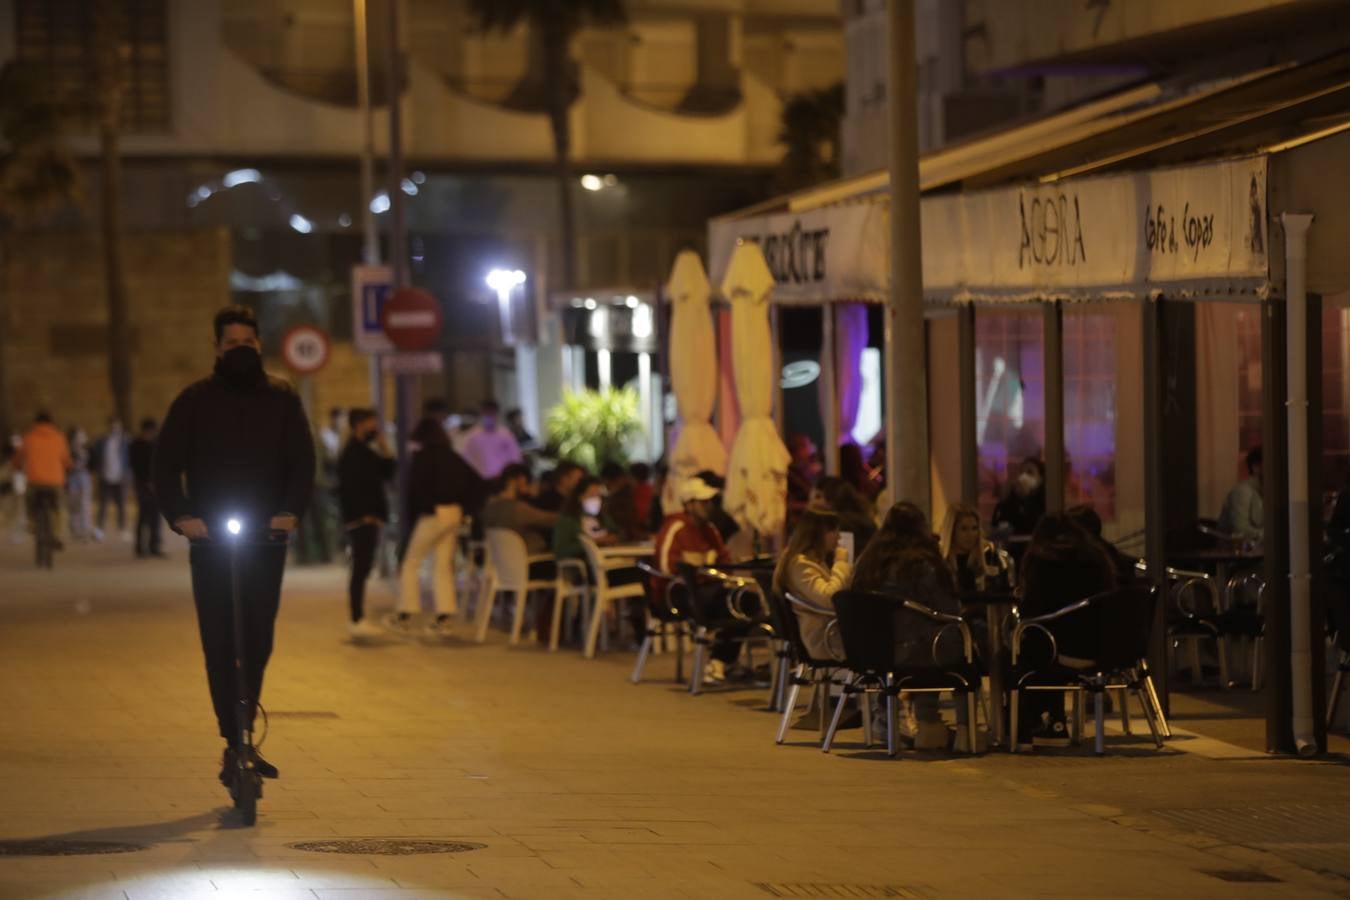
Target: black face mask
{"type": "Point", "coordinates": [240, 365]}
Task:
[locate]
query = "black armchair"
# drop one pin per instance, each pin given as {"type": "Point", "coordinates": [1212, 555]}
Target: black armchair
{"type": "Point", "coordinates": [895, 647]}
{"type": "Point", "coordinates": [1090, 646]}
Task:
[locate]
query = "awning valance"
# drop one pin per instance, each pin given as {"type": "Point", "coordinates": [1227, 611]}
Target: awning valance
{"type": "Point", "coordinates": [1185, 230]}
{"type": "Point", "coordinates": [827, 255]}
{"type": "Point", "coordinates": [1130, 234]}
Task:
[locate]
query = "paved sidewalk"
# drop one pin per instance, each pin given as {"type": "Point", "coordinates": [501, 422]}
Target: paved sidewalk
{"type": "Point", "coordinates": [576, 783]}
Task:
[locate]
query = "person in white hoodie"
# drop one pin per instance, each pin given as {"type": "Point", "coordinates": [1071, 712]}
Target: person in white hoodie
{"type": "Point", "coordinates": [813, 569]}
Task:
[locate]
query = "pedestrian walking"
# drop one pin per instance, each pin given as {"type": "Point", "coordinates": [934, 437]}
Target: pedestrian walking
{"type": "Point", "coordinates": [148, 532]}
{"type": "Point", "coordinates": [111, 464]}
{"type": "Point", "coordinates": [235, 445]}
{"type": "Point", "coordinates": [79, 487]}
{"type": "Point", "coordinates": [44, 459]}
{"type": "Point", "coordinates": [491, 447]}
{"type": "Point", "coordinates": [364, 470]}
{"type": "Point", "coordinates": [441, 488]}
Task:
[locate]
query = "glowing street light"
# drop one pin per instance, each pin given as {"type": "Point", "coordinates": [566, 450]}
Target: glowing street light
{"type": "Point", "coordinates": [504, 281]}
{"type": "Point", "coordinates": [233, 526]}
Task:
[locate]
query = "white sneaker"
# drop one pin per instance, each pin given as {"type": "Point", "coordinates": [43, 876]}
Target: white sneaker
{"type": "Point", "coordinates": [714, 672]}
{"type": "Point", "coordinates": [364, 629]}
{"type": "Point", "coordinates": [397, 622]}
{"type": "Point", "coordinates": [440, 627]}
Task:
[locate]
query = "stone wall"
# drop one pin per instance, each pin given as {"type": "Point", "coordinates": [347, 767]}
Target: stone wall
{"type": "Point", "coordinates": [53, 320]}
{"type": "Point", "coordinates": [53, 326]}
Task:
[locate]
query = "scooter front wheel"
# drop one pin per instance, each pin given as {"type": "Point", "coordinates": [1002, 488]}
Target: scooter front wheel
{"type": "Point", "coordinates": [246, 790]}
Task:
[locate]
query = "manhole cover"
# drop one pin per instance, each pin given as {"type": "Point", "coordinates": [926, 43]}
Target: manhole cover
{"type": "Point", "coordinates": [1241, 875]}
{"type": "Point", "coordinates": [828, 889]}
{"type": "Point", "coordinates": [386, 846]}
{"type": "Point", "coordinates": [42, 847]}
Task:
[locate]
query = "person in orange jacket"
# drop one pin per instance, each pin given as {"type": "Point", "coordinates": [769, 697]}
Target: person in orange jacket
{"type": "Point", "coordinates": [44, 458]}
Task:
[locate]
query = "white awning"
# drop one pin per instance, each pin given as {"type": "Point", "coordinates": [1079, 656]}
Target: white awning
{"type": "Point", "coordinates": [828, 255]}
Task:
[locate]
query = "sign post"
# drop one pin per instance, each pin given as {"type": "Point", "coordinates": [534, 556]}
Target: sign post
{"type": "Point", "coordinates": [305, 350]}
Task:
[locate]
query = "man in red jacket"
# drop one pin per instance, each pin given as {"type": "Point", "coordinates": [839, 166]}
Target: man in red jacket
{"type": "Point", "coordinates": [690, 537]}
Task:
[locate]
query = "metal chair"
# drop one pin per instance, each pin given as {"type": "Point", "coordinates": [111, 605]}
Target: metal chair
{"type": "Point", "coordinates": [808, 671]}
{"type": "Point", "coordinates": [603, 594]}
{"type": "Point", "coordinates": [893, 648]}
{"type": "Point", "coordinates": [573, 584]}
{"type": "Point", "coordinates": [711, 621]}
{"type": "Point", "coordinates": [506, 570]}
{"type": "Point", "coordinates": [665, 619]}
{"type": "Point", "coordinates": [1096, 644]}
{"type": "Point", "coordinates": [1192, 604]}
{"type": "Point", "coordinates": [1246, 620]}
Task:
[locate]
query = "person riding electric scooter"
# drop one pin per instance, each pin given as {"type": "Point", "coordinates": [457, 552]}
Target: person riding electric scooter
{"type": "Point", "coordinates": [233, 472]}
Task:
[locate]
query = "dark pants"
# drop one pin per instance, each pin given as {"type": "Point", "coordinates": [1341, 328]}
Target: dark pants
{"type": "Point", "coordinates": [117, 493]}
{"type": "Point", "coordinates": [147, 521]}
{"type": "Point", "coordinates": [712, 607]}
{"type": "Point", "coordinates": [260, 570]}
{"type": "Point", "coordinates": [363, 539]}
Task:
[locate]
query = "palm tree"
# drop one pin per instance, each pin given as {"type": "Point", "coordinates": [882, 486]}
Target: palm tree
{"type": "Point", "coordinates": [111, 70]}
{"type": "Point", "coordinates": [809, 129]}
{"type": "Point", "coordinates": [554, 23]}
{"type": "Point", "coordinates": [38, 174]}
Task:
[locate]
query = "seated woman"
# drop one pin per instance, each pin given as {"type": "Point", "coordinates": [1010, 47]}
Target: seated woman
{"type": "Point", "coordinates": [975, 562]}
{"type": "Point", "coordinates": [855, 512]}
{"type": "Point", "coordinates": [1063, 564]}
{"type": "Point", "coordinates": [904, 561]}
{"type": "Point", "coordinates": [813, 572]}
{"type": "Point", "coordinates": [582, 515]}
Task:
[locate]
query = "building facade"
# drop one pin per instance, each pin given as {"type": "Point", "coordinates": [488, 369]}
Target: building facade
{"type": "Point", "coordinates": [242, 116]}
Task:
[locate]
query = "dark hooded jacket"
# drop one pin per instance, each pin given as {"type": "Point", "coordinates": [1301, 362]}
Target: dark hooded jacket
{"type": "Point", "coordinates": [231, 449]}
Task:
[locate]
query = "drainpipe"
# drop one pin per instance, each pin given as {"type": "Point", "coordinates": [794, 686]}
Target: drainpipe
{"type": "Point", "coordinates": [1300, 573]}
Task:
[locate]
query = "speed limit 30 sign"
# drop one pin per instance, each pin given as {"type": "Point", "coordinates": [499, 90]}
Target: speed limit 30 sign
{"type": "Point", "coordinates": [305, 349]}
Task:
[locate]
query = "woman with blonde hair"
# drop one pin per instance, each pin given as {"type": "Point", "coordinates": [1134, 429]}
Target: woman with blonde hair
{"type": "Point", "coordinates": [976, 563]}
{"type": "Point", "coordinates": [812, 571]}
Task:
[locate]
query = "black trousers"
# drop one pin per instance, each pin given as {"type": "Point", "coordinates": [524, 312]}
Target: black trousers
{"type": "Point", "coordinates": [364, 540]}
{"type": "Point", "coordinates": [148, 533]}
{"type": "Point", "coordinates": [260, 570]}
{"type": "Point", "coordinates": [711, 600]}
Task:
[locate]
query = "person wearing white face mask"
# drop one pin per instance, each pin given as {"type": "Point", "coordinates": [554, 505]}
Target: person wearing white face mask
{"type": "Point", "coordinates": [1023, 507]}
{"type": "Point", "coordinates": [583, 514]}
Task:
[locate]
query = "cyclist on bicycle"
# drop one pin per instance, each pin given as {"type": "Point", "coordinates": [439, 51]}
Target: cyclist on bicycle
{"type": "Point", "coordinates": [235, 445]}
{"type": "Point", "coordinates": [44, 457]}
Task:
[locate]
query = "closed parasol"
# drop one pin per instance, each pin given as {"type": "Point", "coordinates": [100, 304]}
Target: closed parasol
{"type": "Point", "coordinates": [756, 492]}
{"type": "Point", "coordinates": [693, 375]}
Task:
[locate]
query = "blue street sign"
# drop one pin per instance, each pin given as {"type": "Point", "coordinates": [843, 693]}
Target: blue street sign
{"type": "Point", "coordinates": [371, 288]}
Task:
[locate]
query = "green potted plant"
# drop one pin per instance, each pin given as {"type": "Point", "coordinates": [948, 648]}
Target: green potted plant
{"type": "Point", "coordinates": [591, 428]}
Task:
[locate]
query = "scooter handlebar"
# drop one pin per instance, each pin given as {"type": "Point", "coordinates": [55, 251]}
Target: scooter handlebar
{"type": "Point", "coordinates": [272, 537]}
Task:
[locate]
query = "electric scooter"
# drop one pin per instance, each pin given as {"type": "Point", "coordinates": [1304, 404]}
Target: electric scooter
{"type": "Point", "coordinates": [246, 786]}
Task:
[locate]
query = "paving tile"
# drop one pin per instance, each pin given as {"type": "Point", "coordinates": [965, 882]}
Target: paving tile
{"type": "Point", "coordinates": [579, 784]}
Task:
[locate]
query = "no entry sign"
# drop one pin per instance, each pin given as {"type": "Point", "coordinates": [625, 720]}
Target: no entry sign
{"type": "Point", "coordinates": [412, 319]}
{"type": "Point", "coordinates": [305, 349]}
